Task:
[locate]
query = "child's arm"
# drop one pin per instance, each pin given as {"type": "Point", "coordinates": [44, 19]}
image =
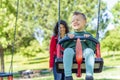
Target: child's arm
{"type": "Point", "coordinates": [90, 44]}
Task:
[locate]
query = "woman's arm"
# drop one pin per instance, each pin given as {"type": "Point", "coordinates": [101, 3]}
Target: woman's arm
{"type": "Point", "coordinates": [52, 51]}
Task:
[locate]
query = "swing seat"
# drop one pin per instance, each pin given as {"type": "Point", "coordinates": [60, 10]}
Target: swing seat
{"type": "Point", "coordinates": [8, 75]}
{"type": "Point", "coordinates": [97, 67]}
{"type": "Point", "coordinates": [98, 60]}
{"type": "Point", "coordinates": [3, 74]}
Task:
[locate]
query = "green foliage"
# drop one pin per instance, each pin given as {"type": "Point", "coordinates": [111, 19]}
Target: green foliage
{"type": "Point", "coordinates": [6, 27]}
{"type": "Point", "coordinates": [116, 13]}
{"type": "Point", "coordinates": [41, 14]}
{"type": "Point", "coordinates": [111, 42]}
{"type": "Point", "coordinates": [29, 51]}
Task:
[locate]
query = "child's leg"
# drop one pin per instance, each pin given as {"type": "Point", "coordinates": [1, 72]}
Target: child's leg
{"type": "Point", "coordinates": [68, 61]}
{"type": "Point", "coordinates": [88, 54]}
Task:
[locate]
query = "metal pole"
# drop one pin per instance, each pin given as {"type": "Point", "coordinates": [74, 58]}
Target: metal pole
{"type": "Point", "coordinates": [97, 33]}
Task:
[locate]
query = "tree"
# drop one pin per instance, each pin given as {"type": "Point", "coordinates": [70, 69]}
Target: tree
{"type": "Point", "coordinates": [33, 14]}
{"type": "Point", "coordinates": [116, 13]}
{"type": "Point", "coordinates": [112, 40]}
{"type": "Point", "coordinates": [6, 28]}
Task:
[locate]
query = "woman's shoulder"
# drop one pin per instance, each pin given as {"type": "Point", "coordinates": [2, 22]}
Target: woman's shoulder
{"type": "Point", "coordinates": [54, 36]}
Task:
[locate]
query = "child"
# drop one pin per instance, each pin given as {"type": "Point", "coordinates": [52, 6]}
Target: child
{"type": "Point", "coordinates": [63, 30]}
{"type": "Point", "coordinates": [88, 47]}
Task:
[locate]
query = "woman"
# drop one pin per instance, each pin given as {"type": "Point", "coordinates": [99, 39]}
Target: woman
{"type": "Point", "coordinates": [63, 30]}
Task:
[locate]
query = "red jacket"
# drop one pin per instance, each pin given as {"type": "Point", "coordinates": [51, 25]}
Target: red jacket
{"type": "Point", "coordinates": [52, 50]}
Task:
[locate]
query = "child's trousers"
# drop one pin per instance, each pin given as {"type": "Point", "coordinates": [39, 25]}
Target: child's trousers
{"type": "Point", "coordinates": [68, 56]}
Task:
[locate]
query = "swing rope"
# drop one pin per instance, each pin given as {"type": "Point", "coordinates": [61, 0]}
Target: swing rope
{"type": "Point", "coordinates": [58, 20]}
{"type": "Point", "coordinates": [97, 33]}
{"type": "Point", "coordinates": [98, 59]}
{"type": "Point", "coordinates": [13, 43]}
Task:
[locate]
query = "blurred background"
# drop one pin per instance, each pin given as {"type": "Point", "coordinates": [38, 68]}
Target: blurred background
{"type": "Point", "coordinates": [26, 40]}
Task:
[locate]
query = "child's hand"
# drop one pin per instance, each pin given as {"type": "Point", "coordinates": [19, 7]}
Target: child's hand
{"type": "Point", "coordinates": [71, 36]}
{"type": "Point", "coordinates": [86, 35]}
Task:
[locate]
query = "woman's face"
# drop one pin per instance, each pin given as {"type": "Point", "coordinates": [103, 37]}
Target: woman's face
{"type": "Point", "coordinates": [62, 29]}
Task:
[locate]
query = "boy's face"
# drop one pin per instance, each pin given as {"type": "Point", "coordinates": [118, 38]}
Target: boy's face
{"type": "Point", "coordinates": [78, 22]}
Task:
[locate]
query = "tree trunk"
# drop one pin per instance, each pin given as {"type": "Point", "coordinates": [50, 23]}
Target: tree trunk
{"type": "Point", "coordinates": [2, 59]}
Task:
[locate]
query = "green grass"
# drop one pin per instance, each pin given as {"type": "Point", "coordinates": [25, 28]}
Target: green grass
{"type": "Point", "coordinates": [23, 63]}
{"type": "Point", "coordinates": [110, 71]}
{"type": "Point", "coordinates": [111, 58]}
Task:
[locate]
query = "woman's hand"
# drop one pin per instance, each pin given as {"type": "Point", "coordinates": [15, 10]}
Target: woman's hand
{"type": "Point", "coordinates": [50, 69]}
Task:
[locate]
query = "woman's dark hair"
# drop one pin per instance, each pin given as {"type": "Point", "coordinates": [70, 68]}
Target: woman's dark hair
{"type": "Point", "coordinates": [55, 30]}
